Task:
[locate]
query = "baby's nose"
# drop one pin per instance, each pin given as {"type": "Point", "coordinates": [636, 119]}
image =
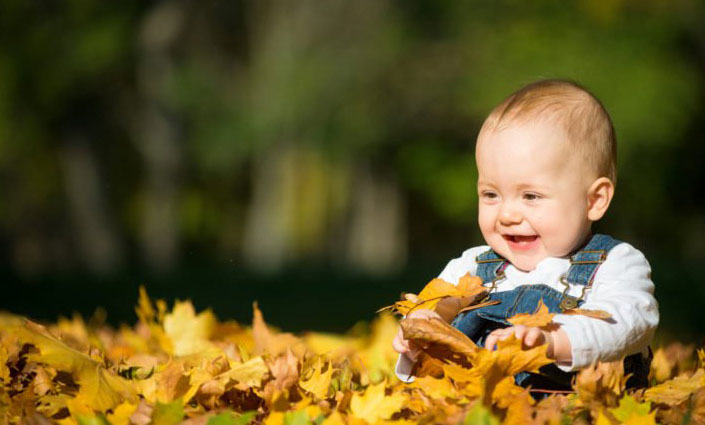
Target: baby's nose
{"type": "Point", "coordinates": [510, 216]}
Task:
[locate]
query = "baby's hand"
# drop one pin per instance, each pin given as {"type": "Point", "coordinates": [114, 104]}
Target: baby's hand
{"type": "Point", "coordinates": [403, 346]}
{"type": "Point", "coordinates": [529, 336]}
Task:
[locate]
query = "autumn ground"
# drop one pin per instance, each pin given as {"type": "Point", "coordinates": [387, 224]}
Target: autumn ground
{"type": "Point", "coordinates": [179, 366]}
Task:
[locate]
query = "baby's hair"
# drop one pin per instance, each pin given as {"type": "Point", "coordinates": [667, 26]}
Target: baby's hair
{"type": "Point", "coordinates": [583, 117]}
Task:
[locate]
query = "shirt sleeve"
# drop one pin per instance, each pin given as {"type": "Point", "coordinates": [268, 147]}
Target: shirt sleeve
{"type": "Point", "coordinates": [623, 288]}
{"type": "Point", "coordinates": [459, 267]}
{"type": "Point", "coordinates": [453, 271]}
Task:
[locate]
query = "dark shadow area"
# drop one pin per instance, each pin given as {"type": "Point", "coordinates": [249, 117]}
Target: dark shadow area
{"type": "Point", "coordinates": [300, 299]}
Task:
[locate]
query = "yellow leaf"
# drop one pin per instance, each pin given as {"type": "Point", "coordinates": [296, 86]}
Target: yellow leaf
{"type": "Point", "coordinates": [188, 332]}
{"type": "Point", "coordinates": [249, 373]}
{"type": "Point", "coordinates": [629, 408]}
{"type": "Point", "coordinates": [316, 377]}
{"type": "Point", "coordinates": [540, 317]}
{"type": "Point", "coordinates": [274, 418]}
{"type": "Point", "coordinates": [661, 366]}
{"type": "Point", "coordinates": [267, 341]}
{"type": "Point", "coordinates": [676, 390]}
{"type": "Point", "coordinates": [373, 405]}
{"type": "Point", "coordinates": [602, 419]}
{"type": "Point", "coordinates": [4, 370]}
{"type": "Point", "coordinates": [99, 389]}
{"type": "Point", "coordinates": [469, 287]}
{"type": "Point", "coordinates": [334, 419]}
{"type": "Point", "coordinates": [121, 414]}
{"type": "Point", "coordinates": [603, 382]}
{"type": "Point", "coordinates": [435, 388]}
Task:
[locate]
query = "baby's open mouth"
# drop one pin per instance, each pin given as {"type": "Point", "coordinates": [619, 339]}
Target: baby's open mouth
{"type": "Point", "coordinates": [521, 239]}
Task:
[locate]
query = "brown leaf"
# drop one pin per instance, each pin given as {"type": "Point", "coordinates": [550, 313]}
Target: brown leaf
{"type": "Point", "coordinates": [468, 290]}
{"type": "Point", "coordinates": [603, 382]}
{"type": "Point", "coordinates": [439, 339]}
{"type": "Point", "coordinates": [267, 341]}
{"type": "Point", "coordinates": [480, 305]}
{"type": "Point", "coordinates": [595, 314]}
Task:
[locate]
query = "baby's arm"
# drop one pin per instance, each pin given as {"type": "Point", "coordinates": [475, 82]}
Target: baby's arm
{"type": "Point", "coordinates": [623, 288]}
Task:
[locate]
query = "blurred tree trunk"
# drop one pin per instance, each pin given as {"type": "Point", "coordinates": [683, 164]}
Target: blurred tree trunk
{"type": "Point", "coordinates": [377, 234]}
{"type": "Point", "coordinates": [97, 241]}
{"type": "Point", "coordinates": [296, 195]}
{"type": "Point", "coordinates": [157, 136]}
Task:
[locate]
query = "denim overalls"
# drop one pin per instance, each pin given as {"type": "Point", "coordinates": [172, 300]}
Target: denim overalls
{"type": "Point", "coordinates": [478, 323]}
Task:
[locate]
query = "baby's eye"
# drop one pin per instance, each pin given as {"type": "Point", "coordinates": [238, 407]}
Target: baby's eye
{"type": "Point", "coordinates": [489, 195]}
{"type": "Point", "coordinates": [532, 196]}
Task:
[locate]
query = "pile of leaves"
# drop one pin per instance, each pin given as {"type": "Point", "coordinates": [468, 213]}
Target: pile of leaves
{"type": "Point", "coordinates": [179, 366]}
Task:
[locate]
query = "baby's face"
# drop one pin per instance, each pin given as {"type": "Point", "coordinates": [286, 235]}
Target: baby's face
{"type": "Point", "coordinates": [533, 193]}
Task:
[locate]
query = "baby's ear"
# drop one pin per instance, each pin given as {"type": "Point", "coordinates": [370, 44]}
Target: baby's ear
{"type": "Point", "coordinates": [600, 195]}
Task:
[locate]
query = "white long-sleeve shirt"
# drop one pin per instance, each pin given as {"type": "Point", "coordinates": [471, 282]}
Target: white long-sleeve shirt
{"type": "Point", "coordinates": [622, 287]}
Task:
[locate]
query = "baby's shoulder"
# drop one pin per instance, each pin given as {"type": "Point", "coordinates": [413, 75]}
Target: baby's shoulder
{"type": "Point", "coordinates": [460, 266]}
{"type": "Point", "coordinates": [626, 261]}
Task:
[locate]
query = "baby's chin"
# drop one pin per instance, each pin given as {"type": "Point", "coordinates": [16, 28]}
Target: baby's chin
{"type": "Point", "coordinates": [524, 262]}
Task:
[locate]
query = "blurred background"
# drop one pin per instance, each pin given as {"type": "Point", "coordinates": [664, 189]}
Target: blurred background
{"type": "Point", "coordinates": [316, 156]}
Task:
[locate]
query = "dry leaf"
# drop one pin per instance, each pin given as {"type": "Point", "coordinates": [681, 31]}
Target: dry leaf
{"type": "Point", "coordinates": [374, 405]}
{"type": "Point", "coordinates": [441, 340]}
{"type": "Point", "coordinates": [595, 314]}
{"type": "Point", "coordinates": [539, 318]}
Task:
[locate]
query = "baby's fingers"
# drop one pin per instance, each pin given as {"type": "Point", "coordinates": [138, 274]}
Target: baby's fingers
{"type": "Point", "coordinates": [399, 344]}
{"type": "Point", "coordinates": [534, 337]}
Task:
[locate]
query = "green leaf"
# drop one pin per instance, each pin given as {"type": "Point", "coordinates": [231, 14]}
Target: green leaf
{"type": "Point", "coordinates": [93, 420]}
{"type": "Point", "coordinates": [628, 407]}
{"type": "Point", "coordinates": [168, 413]}
{"type": "Point", "coordinates": [296, 418]}
{"type": "Point", "coordinates": [229, 418]}
{"type": "Point", "coordinates": [480, 415]}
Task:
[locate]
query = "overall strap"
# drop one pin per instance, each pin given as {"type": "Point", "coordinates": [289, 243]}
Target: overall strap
{"type": "Point", "coordinates": [585, 262]}
{"type": "Point", "coordinates": [490, 266]}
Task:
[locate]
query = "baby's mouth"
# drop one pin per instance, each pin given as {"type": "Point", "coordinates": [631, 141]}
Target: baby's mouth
{"type": "Point", "coordinates": [521, 240]}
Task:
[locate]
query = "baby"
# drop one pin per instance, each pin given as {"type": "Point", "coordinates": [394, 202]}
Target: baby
{"type": "Point", "coordinates": [546, 160]}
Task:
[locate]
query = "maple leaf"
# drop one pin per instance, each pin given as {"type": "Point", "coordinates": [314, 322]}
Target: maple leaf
{"type": "Point", "coordinates": [189, 333]}
{"type": "Point", "coordinates": [602, 382]}
{"type": "Point", "coordinates": [267, 341]}
{"type": "Point", "coordinates": [435, 388]}
{"type": "Point", "coordinates": [468, 290]}
{"type": "Point", "coordinates": [251, 373]}
{"type": "Point", "coordinates": [676, 390]}
{"type": "Point", "coordinates": [508, 360]}
{"type": "Point", "coordinates": [631, 410]}
{"type": "Point", "coordinates": [99, 389]}
{"type": "Point", "coordinates": [373, 405]}
{"type": "Point", "coordinates": [316, 377]}
{"type": "Point", "coordinates": [441, 340]}
{"type": "Point", "coordinates": [539, 318]}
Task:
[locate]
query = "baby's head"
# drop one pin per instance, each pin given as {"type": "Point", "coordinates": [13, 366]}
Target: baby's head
{"type": "Point", "coordinates": [546, 159]}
